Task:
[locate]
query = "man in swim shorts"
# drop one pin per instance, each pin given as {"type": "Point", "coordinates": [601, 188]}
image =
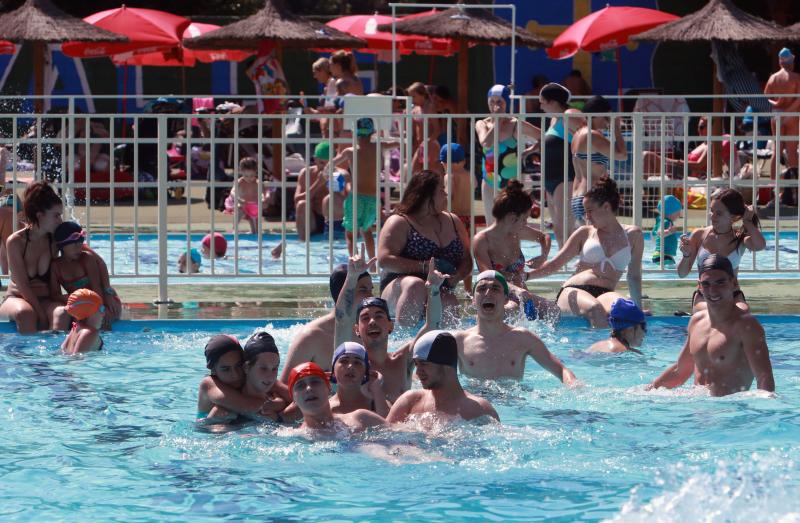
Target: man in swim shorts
{"type": "Point", "coordinates": [725, 346]}
{"type": "Point", "coordinates": [785, 81]}
{"type": "Point", "coordinates": [372, 324]}
{"type": "Point", "coordinates": [309, 388]}
{"type": "Point", "coordinates": [436, 358]}
{"type": "Point", "coordinates": [363, 185]}
{"type": "Point", "coordinates": [314, 341]}
{"type": "Point", "coordinates": [492, 349]}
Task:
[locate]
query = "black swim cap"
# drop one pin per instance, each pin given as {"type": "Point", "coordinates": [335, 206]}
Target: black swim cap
{"type": "Point", "coordinates": [338, 276]}
{"type": "Point", "coordinates": [716, 262]}
{"type": "Point", "coordinates": [438, 347]}
{"type": "Point", "coordinates": [218, 346]}
{"type": "Point", "coordinates": [258, 343]}
{"type": "Point", "coordinates": [374, 302]}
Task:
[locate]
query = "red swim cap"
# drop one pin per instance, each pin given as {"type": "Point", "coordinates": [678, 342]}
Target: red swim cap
{"type": "Point", "coordinates": [220, 244]}
{"type": "Point", "coordinates": [83, 303]}
{"type": "Point", "coordinates": [304, 370]}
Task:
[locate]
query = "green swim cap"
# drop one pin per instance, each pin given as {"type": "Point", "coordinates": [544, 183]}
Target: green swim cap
{"type": "Point", "coordinates": [323, 151]}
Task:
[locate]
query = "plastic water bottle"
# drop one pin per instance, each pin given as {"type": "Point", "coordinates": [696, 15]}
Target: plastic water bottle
{"type": "Point", "coordinates": [530, 310]}
{"type": "Point", "coordinates": [337, 182]}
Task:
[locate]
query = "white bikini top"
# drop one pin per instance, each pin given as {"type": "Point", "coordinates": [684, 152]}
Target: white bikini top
{"type": "Point", "coordinates": [592, 253]}
{"type": "Point", "coordinates": [735, 256]}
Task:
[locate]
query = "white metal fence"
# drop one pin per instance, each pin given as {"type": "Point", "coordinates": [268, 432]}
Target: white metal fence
{"type": "Point", "coordinates": [145, 207]}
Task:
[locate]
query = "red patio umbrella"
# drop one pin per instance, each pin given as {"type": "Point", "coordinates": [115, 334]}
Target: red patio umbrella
{"type": "Point", "coordinates": [7, 47]}
{"type": "Point", "coordinates": [147, 30]}
{"type": "Point", "coordinates": [608, 28]}
{"type": "Point", "coordinates": [365, 27]}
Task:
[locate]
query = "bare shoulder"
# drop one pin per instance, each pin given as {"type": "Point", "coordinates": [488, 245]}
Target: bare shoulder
{"type": "Point", "coordinates": [206, 383]}
{"type": "Point", "coordinates": [478, 407]}
{"type": "Point", "coordinates": [395, 221]}
{"type": "Point", "coordinates": [633, 230]}
{"type": "Point", "coordinates": [748, 325]}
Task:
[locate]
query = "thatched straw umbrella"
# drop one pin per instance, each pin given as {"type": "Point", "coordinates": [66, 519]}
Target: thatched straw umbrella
{"type": "Point", "coordinates": [467, 26]}
{"type": "Point", "coordinates": [40, 22]}
{"type": "Point", "coordinates": [719, 20]}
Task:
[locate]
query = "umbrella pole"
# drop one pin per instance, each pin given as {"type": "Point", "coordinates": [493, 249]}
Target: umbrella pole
{"type": "Point", "coordinates": [38, 74]}
{"type": "Point", "coordinates": [716, 128]}
{"type": "Point", "coordinates": [463, 89]}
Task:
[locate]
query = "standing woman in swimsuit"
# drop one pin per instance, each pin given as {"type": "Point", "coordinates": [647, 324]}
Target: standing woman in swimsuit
{"type": "Point", "coordinates": [30, 251]}
{"type": "Point", "coordinates": [420, 230]}
{"type": "Point", "coordinates": [726, 208]}
{"type": "Point", "coordinates": [553, 98]}
{"type": "Point", "coordinates": [498, 247]}
{"type": "Point", "coordinates": [601, 153]}
{"type": "Point", "coordinates": [343, 68]}
{"type": "Point", "coordinates": [590, 291]}
{"type": "Point", "coordinates": [502, 165]}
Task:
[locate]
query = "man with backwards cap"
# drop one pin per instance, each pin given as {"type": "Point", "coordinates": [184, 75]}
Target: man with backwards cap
{"type": "Point", "coordinates": [314, 342]}
{"type": "Point", "coordinates": [785, 81]}
{"type": "Point", "coordinates": [436, 358]}
{"type": "Point", "coordinates": [309, 388]}
{"type": "Point", "coordinates": [725, 346]}
{"type": "Point", "coordinates": [628, 327]}
{"type": "Point", "coordinates": [370, 320]}
{"type": "Point", "coordinates": [492, 349]}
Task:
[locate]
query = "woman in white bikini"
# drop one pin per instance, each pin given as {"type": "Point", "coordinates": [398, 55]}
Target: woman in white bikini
{"type": "Point", "coordinates": [590, 291]}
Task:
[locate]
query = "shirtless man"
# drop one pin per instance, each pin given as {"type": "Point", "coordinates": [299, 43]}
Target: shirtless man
{"type": "Point", "coordinates": [314, 342]}
{"type": "Point", "coordinates": [309, 388]}
{"type": "Point", "coordinates": [369, 319]}
{"type": "Point", "coordinates": [363, 185]}
{"type": "Point", "coordinates": [725, 346]}
{"type": "Point", "coordinates": [436, 358]}
{"type": "Point", "coordinates": [785, 81]}
{"type": "Point", "coordinates": [492, 349]}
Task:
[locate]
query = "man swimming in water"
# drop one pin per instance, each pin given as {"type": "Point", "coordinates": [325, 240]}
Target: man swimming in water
{"type": "Point", "coordinates": [309, 388]}
{"type": "Point", "coordinates": [492, 349]}
{"type": "Point", "coordinates": [436, 357]}
{"type": "Point", "coordinates": [315, 342]}
{"type": "Point", "coordinates": [370, 320]}
{"type": "Point", "coordinates": [725, 346]}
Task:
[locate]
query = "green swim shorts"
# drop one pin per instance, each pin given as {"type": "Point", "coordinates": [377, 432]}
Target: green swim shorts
{"type": "Point", "coordinates": [366, 212]}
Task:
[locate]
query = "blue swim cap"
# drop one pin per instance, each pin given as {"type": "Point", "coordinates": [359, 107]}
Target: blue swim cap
{"type": "Point", "coordinates": [624, 314]}
{"type": "Point", "coordinates": [194, 255]}
{"type": "Point", "coordinates": [456, 153]}
{"type": "Point", "coordinates": [350, 348]}
{"type": "Point", "coordinates": [670, 205]}
{"type": "Point", "coordinates": [502, 91]}
{"type": "Point", "coordinates": [365, 127]}
{"type": "Point", "coordinates": [785, 55]}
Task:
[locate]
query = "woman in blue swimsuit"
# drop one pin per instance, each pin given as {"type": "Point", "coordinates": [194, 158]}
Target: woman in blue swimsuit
{"type": "Point", "coordinates": [30, 251]}
{"type": "Point", "coordinates": [421, 230]}
{"type": "Point", "coordinates": [590, 291]}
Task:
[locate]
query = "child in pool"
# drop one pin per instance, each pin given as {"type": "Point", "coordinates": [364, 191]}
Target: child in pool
{"type": "Point", "coordinates": [242, 201]}
{"type": "Point", "coordinates": [79, 267]}
{"type": "Point", "coordinates": [358, 386]}
{"type": "Point", "coordinates": [194, 260]}
{"type": "Point", "coordinates": [668, 211]}
{"type": "Point", "coordinates": [261, 360]}
{"type": "Point", "coordinates": [87, 308]}
{"type": "Point", "coordinates": [628, 328]}
{"type": "Point", "coordinates": [220, 245]}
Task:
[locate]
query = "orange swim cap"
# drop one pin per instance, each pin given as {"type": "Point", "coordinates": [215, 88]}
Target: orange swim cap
{"type": "Point", "coordinates": [83, 303]}
{"type": "Point", "coordinates": [304, 370]}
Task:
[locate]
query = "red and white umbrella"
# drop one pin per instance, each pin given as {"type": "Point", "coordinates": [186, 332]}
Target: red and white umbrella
{"type": "Point", "coordinates": [365, 27]}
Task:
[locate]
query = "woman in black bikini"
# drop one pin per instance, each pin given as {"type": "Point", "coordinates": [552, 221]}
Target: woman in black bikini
{"type": "Point", "coordinates": [30, 251]}
{"type": "Point", "coordinates": [420, 230]}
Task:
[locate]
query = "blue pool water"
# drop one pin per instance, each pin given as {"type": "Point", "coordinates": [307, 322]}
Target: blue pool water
{"type": "Point", "coordinates": [110, 436]}
{"type": "Point", "coordinates": [319, 256]}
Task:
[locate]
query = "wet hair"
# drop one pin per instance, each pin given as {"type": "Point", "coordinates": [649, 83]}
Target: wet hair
{"type": "Point", "coordinates": [322, 64]}
{"type": "Point", "coordinates": [716, 262]}
{"type": "Point", "coordinates": [443, 92]}
{"type": "Point", "coordinates": [418, 88]}
{"type": "Point", "coordinates": [734, 202]}
{"type": "Point", "coordinates": [596, 104]}
{"type": "Point", "coordinates": [38, 197]}
{"type": "Point", "coordinates": [513, 199]}
{"type": "Point", "coordinates": [248, 163]}
{"type": "Point", "coordinates": [419, 192]}
{"type": "Point", "coordinates": [604, 190]}
{"type": "Point", "coordinates": [346, 60]}
{"type": "Point", "coordinates": [555, 93]}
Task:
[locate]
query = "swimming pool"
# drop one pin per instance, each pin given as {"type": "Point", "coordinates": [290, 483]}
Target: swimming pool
{"type": "Point", "coordinates": [110, 436]}
{"type": "Point", "coordinates": [145, 252]}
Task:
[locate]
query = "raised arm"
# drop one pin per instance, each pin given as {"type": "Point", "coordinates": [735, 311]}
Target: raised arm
{"type": "Point", "coordinates": [548, 361]}
{"type": "Point", "coordinates": [345, 310]}
{"type": "Point", "coordinates": [754, 342]}
{"type": "Point", "coordinates": [753, 239]}
{"type": "Point", "coordinates": [689, 250]}
{"type": "Point", "coordinates": [571, 248]}
{"type": "Point", "coordinates": [634, 275]}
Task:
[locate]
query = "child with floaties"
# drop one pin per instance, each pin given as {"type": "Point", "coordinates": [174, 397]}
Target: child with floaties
{"type": "Point", "coordinates": [669, 210]}
{"type": "Point", "coordinates": [241, 381]}
{"type": "Point", "coordinates": [79, 267]}
{"type": "Point", "coordinates": [242, 201]}
{"type": "Point", "coordinates": [86, 307]}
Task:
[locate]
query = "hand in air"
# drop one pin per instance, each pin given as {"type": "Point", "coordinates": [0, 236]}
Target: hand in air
{"type": "Point", "coordinates": [684, 245]}
{"type": "Point", "coordinates": [435, 278]}
{"type": "Point", "coordinates": [358, 263]}
{"type": "Point", "coordinates": [749, 215]}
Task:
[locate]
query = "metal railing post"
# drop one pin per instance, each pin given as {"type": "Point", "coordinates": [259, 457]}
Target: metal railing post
{"type": "Point", "coordinates": [638, 168]}
{"type": "Point", "coordinates": [163, 198]}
